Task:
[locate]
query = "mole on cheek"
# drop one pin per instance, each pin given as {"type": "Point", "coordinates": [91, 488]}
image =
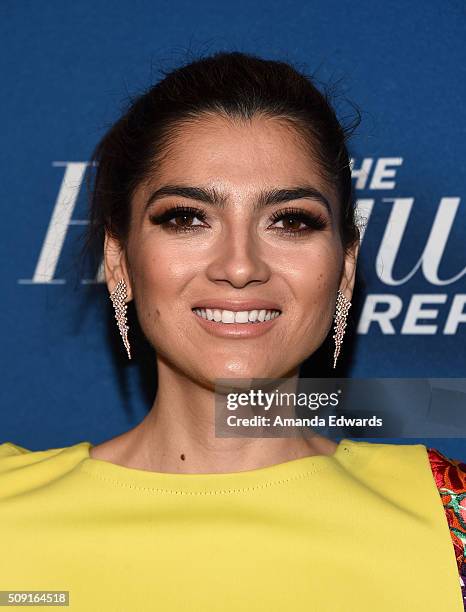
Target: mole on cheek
{"type": "Point", "coordinates": [156, 313]}
{"type": "Point", "coordinates": [182, 457]}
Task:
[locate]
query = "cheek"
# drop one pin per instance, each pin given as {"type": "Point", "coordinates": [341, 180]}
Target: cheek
{"type": "Point", "coordinates": [315, 280]}
{"type": "Point", "coordinates": [316, 272]}
{"type": "Point", "coordinates": [159, 276]}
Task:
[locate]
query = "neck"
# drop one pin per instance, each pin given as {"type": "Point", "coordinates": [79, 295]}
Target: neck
{"type": "Point", "coordinates": [178, 435]}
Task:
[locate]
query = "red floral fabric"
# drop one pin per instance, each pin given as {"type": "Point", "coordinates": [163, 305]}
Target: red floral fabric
{"type": "Point", "coordinates": [450, 478]}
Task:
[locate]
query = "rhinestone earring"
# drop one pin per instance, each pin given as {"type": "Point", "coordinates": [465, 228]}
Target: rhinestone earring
{"type": "Point", "coordinates": [118, 297]}
{"type": "Point", "coordinates": [342, 307]}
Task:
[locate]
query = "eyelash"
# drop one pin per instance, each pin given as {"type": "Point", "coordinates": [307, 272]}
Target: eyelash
{"type": "Point", "coordinates": [314, 221]}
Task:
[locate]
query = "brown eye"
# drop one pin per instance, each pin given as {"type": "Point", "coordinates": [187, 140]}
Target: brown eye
{"type": "Point", "coordinates": [297, 222]}
{"type": "Point", "coordinates": [291, 223]}
{"type": "Point", "coordinates": [180, 218]}
{"type": "Point", "coordinates": [184, 220]}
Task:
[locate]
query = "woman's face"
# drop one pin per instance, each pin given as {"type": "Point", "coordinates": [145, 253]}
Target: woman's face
{"type": "Point", "coordinates": [259, 237]}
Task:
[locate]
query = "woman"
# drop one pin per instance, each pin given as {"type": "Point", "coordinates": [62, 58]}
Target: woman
{"type": "Point", "coordinates": [223, 203]}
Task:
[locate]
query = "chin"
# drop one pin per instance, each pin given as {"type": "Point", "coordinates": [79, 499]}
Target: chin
{"type": "Point", "coordinates": [239, 372]}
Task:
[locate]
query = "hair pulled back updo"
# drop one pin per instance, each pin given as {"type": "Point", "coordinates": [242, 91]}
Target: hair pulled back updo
{"type": "Point", "coordinates": [232, 84]}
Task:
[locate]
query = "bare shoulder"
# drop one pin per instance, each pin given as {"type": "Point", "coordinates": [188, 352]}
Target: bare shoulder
{"type": "Point", "coordinates": [113, 450]}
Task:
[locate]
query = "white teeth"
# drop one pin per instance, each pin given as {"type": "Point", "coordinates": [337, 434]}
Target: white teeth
{"type": "Point", "coordinates": [229, 316]}
{"type": "Point", "coordinates": [242, 317]}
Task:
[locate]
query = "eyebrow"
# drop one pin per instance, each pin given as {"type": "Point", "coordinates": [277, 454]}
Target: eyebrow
{"type": "Point", "coordinates": [266, 198]}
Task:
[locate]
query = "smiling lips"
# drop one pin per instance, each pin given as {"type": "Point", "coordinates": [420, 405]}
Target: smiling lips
{"type": "Point", "coordinates": [236, 319]}
{"type": "Point", "coordinates": [231, 316]}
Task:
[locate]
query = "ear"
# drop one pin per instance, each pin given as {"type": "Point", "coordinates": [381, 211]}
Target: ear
{"type": "Point", "coordinates": [116, 265]}
{"type": "Point", "coordinates": [349, 270]}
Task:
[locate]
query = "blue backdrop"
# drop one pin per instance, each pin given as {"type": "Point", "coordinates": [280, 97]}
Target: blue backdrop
{"type": "Point", "coordinates": [67, 69]}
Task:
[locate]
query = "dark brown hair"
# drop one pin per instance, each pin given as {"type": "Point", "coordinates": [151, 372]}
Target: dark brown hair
{"type": "Point", "coordinates": [236, 85]}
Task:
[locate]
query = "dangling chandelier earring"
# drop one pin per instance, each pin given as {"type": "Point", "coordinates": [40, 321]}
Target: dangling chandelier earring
{"type": "Point", "coordinates": [118, 297]}
{"type": "Point", "coordinates": [342, 307]}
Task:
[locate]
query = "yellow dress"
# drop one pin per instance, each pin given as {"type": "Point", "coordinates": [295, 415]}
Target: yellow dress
{"type": "Point", "coordinates": [362, 530]}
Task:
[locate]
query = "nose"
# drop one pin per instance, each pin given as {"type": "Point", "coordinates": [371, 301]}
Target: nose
{"type": "Point", "coordinates": [238, 258]}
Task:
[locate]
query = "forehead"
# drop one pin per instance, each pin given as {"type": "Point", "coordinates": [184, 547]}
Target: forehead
{"type": "Point", "coordinates": [238, 154]}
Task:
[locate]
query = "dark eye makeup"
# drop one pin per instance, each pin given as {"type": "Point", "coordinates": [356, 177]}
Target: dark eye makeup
{"type": "Point", "coordinates": [290, 217]}
{"type": "Point", "coordinates": [312, 221]}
